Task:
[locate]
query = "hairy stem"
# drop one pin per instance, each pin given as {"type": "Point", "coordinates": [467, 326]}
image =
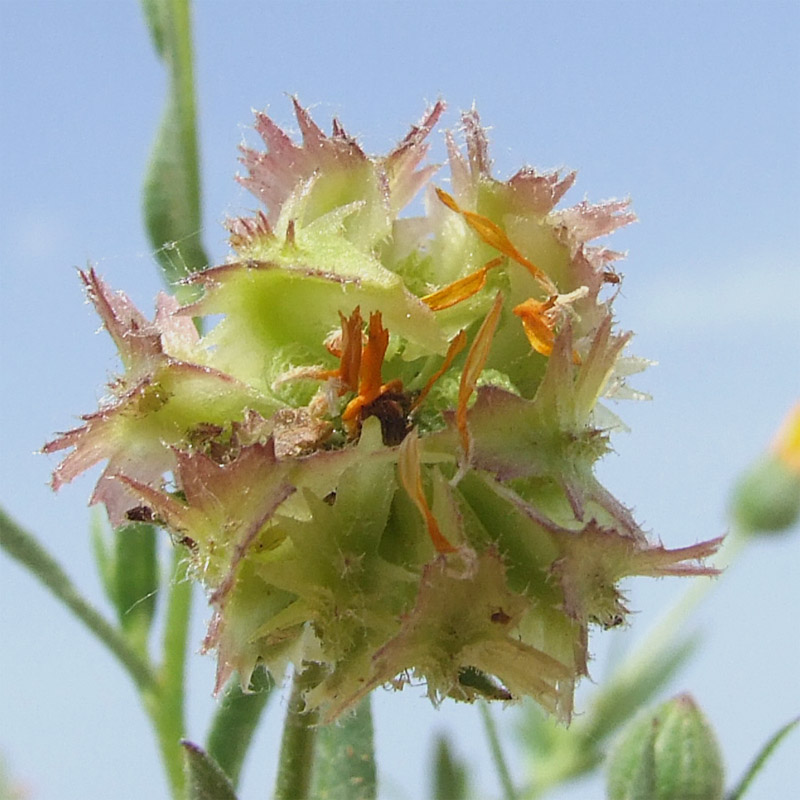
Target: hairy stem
{"type": "Point", "coordinates": [297, 747]}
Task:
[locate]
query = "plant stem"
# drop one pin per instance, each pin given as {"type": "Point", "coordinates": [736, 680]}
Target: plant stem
{"type": "Point", "coordinates": [166, 706]}
{"type": "Point", "coordinates": [297, 747]}
{"type": "Point", "coordinates": [497, 754]}
{"type": "Point", "coordinates": [24, 547]}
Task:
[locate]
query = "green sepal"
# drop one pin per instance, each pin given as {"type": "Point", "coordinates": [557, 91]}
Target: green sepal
{"type": "Point", "coordinates": [205, 779]}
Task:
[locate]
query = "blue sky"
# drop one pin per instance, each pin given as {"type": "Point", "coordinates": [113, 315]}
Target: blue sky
{"type": "Point", "coordinates": [690, 108]}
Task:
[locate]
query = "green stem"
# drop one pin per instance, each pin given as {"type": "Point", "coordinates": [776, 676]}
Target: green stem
{"type": "Point", "coordinates": [24, 547]}
{"type": "Point", "coordinates": [297, 746]}
{"type": "Point", "coordinates": [166, 707]}
{"type": "Point", "coordinates": [497, 754]}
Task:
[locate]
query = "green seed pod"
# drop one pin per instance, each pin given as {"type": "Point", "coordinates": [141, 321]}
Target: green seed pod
{"type": "Point", "coordinates": [667, 754]}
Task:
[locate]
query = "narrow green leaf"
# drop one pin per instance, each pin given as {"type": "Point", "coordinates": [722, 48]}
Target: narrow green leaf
{"type": "Point", "coordinates": [205, 779]}
{"type": "Point", "coordinates": [235, 723]}
{"type": "Point", "coordinates": [172, 181]}
{"type": "Point", "coordinates": [154, 13]}
{"type": "Point", "coordinates": [449, 773]}
{"type": "Point", "coordinates": [136, 580]}
{"type": "Point", "coordinates": [345, 758]}
{"type": "Point", "coordinates": [509, 792]}
{"type": "Point", "coordinates": [23, 547]}
{"type": "Point", "coordinates": [100, 534]}
{"type": "Point", "coordinates": [758, 762]}
{"type": "Point", "coordinates": [633, 686]}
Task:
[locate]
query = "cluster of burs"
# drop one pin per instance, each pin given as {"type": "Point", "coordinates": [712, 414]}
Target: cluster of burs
{"type": "Point", "coordinates": [380, 459]}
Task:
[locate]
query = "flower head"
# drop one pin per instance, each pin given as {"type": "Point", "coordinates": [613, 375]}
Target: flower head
{"type": "Point", "coordinates": [380, 461]}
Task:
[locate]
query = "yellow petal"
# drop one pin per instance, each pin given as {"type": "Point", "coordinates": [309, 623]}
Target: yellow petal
{"type": "Point", "coordinates": [787, 442]}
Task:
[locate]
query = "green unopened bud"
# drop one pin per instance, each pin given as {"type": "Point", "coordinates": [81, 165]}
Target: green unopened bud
{"type": "Point", "coordinates": [670, 753]}
{"type": "Point", "coordinates": [767, 498]}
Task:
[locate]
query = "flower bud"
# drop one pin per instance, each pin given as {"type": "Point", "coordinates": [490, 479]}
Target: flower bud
{"type": "Point", "coordinates": [670, 753]}
{"type": "Point", "coordinates": [767, 497]}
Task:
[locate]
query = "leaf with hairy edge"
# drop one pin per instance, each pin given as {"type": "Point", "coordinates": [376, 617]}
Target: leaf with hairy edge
{"type": "Point", "coordinates": [345, 758]}
{"type": "Point", "coordinates": [235, 723]}
{"type": "Point", "coordinates": [205, 779]}
{"type": "Point", "coordinates": [172, 182]}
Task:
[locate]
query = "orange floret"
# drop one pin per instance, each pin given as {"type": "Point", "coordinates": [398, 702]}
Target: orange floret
{"type": "Point", "coordinates": [539, 320]}
{"type": "Point", "coordinates": [370, 361]}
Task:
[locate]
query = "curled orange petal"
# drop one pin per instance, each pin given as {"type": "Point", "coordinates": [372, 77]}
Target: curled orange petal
{"type": "Point", "coordinates": [369, 386]}
{"type": "Point", "coordinates": [539, 320]}
{"type": "Point", "coordinates": [461, 289]}
{"type": "Point", "coordinates": [408, 465]}
{"type": "Point", "coordinates": [350, 358]}
{"type": "Point", "coordinates": [476, 359]}
{"type": "Point", "coordinates": [370, 362]}
{"type": "Point", "coordinates": [493, 235]}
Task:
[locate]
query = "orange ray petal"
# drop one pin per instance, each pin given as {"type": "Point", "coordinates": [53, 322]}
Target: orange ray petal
{"type": "Point", "coordinates": [350, 367]}
{"type": "Point", "coordinates": [369, 386]}
{"type": "Point", "coordinates": [408, 465]}
{"type": "Point", "coordinates": [476, 358]}
{"type": "Point", "coordinates": [496, 237]}
{"type": "Point", "coordinates": [461, 289]}
{"type": "Point", "coordinates": [456, 346]}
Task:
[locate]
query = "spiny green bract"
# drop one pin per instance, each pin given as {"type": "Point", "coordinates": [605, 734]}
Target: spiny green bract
{"type": "Point", "coordinates": [380, 460]}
